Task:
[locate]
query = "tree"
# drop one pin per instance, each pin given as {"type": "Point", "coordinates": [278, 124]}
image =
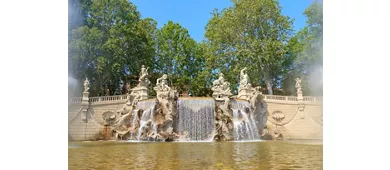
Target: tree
{"type": "Point", "coordinates": [252, 34]}
{"type": "Point", "coordinates": [306, 49]}
{"type": "Point", "coordinates": [114, 43]}
{"type": "Point", "coordinates": [179, 56]}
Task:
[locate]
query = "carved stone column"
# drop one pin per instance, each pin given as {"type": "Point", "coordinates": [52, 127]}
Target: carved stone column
{"type": "Point", "coordinates": [299, 94]}
{"type": "Point", "coordinates": [301, 105]}
{"type": "Point", "coordinates": [84, 106]}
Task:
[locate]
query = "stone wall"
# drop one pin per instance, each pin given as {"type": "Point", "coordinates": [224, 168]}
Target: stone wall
{"type": "Point", "coordinates": [298, 123]}
{"type": "Point", "coordinates": [291, 119]}
{"type": "Point", "coordinates": [93, 128]}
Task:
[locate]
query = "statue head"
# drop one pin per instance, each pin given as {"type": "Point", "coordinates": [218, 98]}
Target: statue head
{"type": "Point", "coordinates": [143, 66]}
{"type": "Point", "coordinates": [164, 76]}
{"type": "Point", "coordinates": [220, 74]}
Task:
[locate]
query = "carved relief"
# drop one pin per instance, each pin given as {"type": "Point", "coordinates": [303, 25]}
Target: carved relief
{"type": "Point", "coordinates": [278, 116]}
{"type": "Point", "coordinates": [109, 117]}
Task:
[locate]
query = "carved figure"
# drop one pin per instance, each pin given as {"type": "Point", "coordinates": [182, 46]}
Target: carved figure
{"type": "Point", "coordinates": [219, 81]}
{"type": "Point", "coordinates": [86, 85]}
{"type": "Point", "coordinates": [220, 86]}
{"type": "Point", "coordinates": [244, 79]}
{"type": "Point", "coordinates": [162, 84]}
{"type": "Point", "coordinates": [298, 83]}
{"type": "Point", "coordinates": [143, 77]}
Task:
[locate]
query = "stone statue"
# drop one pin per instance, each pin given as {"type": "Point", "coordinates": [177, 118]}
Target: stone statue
{"type": "Point", "coordinates": [219, 81]}
{"type": "Point", "coordinates": [245, 90]}
{"type": "Point", "coordinates": [143, 77]}
{"type": "Point", "coordinates": [298, 83]}
{"type": "Point", "coordinates": [221, 89]}
{"type": "Point", "coordinates": [107, 92]}
{"type": "Point", "coordinates": [142, 88]}
{"type": "Point", "coordinates": [86, 85]}
{"type": "Point", "coordinates": [244, 79]}
{"type": "Point", "coordinates": [162, 84]}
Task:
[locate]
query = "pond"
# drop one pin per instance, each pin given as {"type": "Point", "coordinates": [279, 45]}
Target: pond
{"type": "Point", "coordinates": [263, 155]}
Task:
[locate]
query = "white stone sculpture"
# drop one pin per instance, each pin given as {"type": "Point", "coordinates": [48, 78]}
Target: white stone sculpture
{"type": "Point", "coordinates": [299, 89]}
{"type": "Point", "coordinates": [298, 83]}
{"type": "Point", "coordinates": [245, 90]}
{"type": "Point", "coordinates": [86, 85]}
{"type": "Point", "coordinates": [162, 84]}
{"type": "Point", "coordinates": [141, 90]}
{"type": "Point", "coordinates": [143, 77]}
{"type": "Point", "coordinates": [221, 88]}
{"type": "Point", "coordinates": [244, 79]}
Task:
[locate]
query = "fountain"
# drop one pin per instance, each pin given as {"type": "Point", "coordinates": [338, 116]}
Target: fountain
{"type": "Point", "coordinates": [196, 118]}
{"type": "Point", "coordinates": [170, 118]}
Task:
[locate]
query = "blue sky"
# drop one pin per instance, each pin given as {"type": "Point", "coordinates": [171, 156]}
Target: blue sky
{"type": "Point", "coordinates": [194, 14]}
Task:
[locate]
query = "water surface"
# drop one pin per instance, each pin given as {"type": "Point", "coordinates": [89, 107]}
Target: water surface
{"type": "Point", "coordinates": [195, 155]}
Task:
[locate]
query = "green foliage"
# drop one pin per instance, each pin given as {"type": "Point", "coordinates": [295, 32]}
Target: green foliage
{"type": "Point", "coordinates": [108, 43]}
{"type": "Point", "coordinates": [179, 56]}
{"type": "Point", "coordinates": [306, 52]}
{"type": "Point", "coordinates": [114, 43]}
{"type": "Point", "coordinates": [252, 34]}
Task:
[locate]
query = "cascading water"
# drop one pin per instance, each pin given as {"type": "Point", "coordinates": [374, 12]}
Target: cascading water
{"type": "Point", "coordinates": [196, 118]}
{"type": "Point", "coordinates": [244, 123]}
{"type": "Point", "coordinates": [133, 122]}
{"type": "Point", "coordinates": [147, 117]}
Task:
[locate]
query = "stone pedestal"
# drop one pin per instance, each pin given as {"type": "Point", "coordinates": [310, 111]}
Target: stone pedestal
{"type": "Point", "coordinates": [218, 96]}
{"type": "Point", "coordinates": [141, 91]}
{"type": "Point", "coordinates": [301, 105]}
{"type": "Point", "coordinates": [245, 93]}
{"type": "Point", "coordinates": [85, 98]}
{"type": "Point", "coordinates": [299, 96]}
{"type": "Point", "coordinates": [84, 106]}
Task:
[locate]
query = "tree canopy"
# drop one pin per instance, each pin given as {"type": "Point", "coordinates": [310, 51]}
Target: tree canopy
{"type": "Point", "coordinates": [252, 34]}
{"type": "Point", "coordinates": [109, 41]}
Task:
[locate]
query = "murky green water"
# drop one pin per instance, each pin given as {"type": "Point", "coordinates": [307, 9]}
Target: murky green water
{"type": "Point", "coordinates": [195, 155]}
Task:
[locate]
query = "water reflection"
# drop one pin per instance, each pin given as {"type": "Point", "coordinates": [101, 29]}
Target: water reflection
{"type": "Point", "coordinates": [195, 155]}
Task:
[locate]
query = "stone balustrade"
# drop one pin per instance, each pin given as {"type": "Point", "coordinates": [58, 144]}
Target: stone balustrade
{"type": "Point", "coordinates": [312, 98]}
{"type": "Point", "coordinates": [270, 98]}
{"type": "Point", "coordinates": [293, 99]}
{"type": "Point", "coordinates": [99, 99]}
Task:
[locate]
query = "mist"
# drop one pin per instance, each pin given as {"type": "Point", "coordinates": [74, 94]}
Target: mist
{"type": "Point", "coordinates": [315, 75]}
{"type": "Point", "coordinates": [315, 82]}
{"type": "Point", "coordinates": [74, 89]}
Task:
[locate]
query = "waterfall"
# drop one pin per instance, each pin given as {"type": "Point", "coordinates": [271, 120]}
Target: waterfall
{"type": "Point", "coordinates": [196, 118]}
{"type": "Point", "coordinates": [134, 121]}
{"type": "Point", "coordinates": [146, 117]}
{"type": "Point", "coordinates": [148, 107]}
{"type": "Point", "coordinates": [244, 125]}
